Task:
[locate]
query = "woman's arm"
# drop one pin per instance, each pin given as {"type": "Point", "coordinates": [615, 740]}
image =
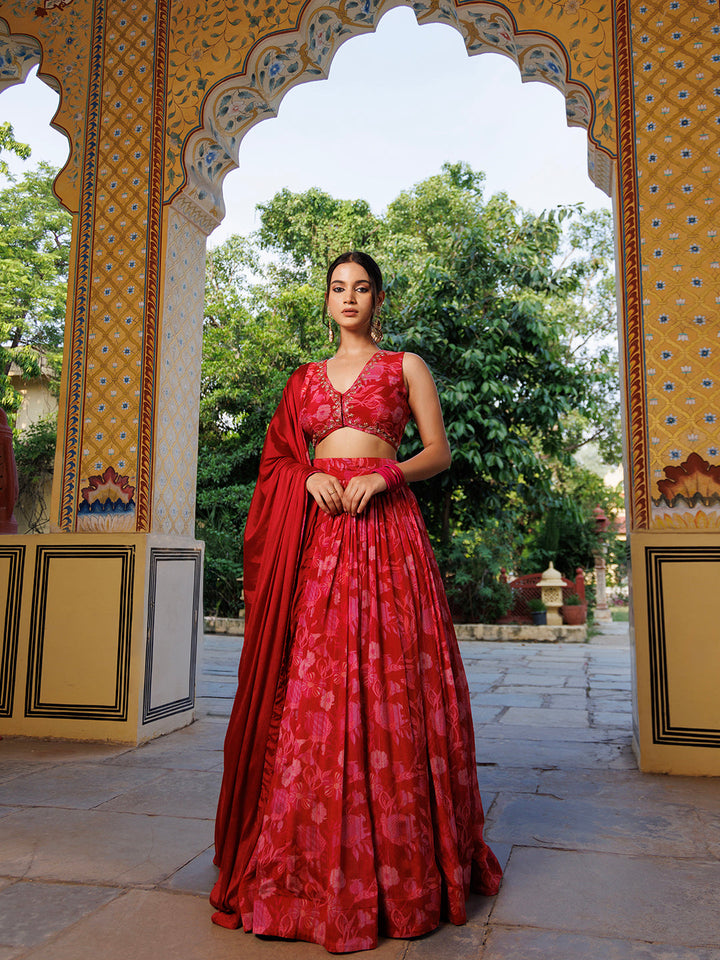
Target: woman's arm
{"type": "Point", "coordinates": [425, 405]}
{"type": "Point", "coordinates": [435, 455]}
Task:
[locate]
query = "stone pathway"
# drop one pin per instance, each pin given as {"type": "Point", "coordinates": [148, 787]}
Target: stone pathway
{"type": "Point", "coordinates": [105, 851]}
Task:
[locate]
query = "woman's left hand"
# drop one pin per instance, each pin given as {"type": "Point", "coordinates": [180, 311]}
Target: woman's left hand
{"type": "Point", "coordinates": [360, 490]}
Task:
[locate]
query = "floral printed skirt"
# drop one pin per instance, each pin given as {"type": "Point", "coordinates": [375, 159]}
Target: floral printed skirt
{"type": "Point", "coordinates": [373, 823]}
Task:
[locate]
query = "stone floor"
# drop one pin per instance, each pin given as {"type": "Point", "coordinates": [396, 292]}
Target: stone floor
{"type": "Point", "coordinates": [105, 852]}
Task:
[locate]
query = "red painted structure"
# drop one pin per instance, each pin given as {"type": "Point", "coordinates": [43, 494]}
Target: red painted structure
{"type": "Point", "coordinates": [8, 478]}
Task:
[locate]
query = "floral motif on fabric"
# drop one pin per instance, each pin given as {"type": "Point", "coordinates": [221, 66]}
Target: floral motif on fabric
{"type": "Point", "coordinates": [374, 821]}
{"type": "Point", "coordinates": [376, 402]}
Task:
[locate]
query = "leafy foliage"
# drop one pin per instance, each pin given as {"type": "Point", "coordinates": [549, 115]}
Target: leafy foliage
{"type": "Point", "coordinates": [512, 313]}
{"type": "Point", "coordinates": [8, 144]}
{"type": "Point", "coordinates": [34, 456]}
{"type": "Point", "coordinates": [34, 250]}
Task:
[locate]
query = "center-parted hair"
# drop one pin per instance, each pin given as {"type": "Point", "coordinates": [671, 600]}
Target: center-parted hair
{"type": "Point", "coordinates": [363, 260]}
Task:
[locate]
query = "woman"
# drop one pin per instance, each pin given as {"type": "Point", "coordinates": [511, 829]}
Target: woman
{"type": "Point", "coordinates": [349, 803]}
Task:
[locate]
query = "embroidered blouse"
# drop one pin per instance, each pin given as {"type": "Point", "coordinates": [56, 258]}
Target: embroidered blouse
{"type": "Point", "coordinates": [376, 403]}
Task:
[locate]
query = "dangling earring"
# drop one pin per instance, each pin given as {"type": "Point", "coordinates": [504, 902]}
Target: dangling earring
{"type": "Point", "coordinates": [331, 332]}
{"type": "Point", "coordinates": [376, 333]}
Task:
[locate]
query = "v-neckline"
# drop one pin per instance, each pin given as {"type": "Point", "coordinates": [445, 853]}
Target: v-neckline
{"type": "Point", "coordinates": [342, 393]}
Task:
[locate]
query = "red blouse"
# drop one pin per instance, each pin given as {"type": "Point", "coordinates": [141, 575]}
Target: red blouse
{"type": "Point", "coordinates": [375, 403]}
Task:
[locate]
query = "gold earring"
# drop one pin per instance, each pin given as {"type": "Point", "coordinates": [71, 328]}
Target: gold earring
{"type": "Point", "coordinates": [376, 333]}
{"type": "Point", "coordinates": [331, 332]}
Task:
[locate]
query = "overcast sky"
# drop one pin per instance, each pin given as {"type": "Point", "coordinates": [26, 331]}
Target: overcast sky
{"type": "Point", "coordinates": [406, 94]}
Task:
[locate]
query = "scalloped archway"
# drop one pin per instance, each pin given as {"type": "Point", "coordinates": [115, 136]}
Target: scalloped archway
{"type": "Point", "coordinates": [233, 105]}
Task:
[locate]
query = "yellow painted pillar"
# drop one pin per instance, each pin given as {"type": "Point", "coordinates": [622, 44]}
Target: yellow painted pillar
{"type": "Point", "coordinates": [102, 615]}
{"type": "Point", "coordinates": [668, 63]}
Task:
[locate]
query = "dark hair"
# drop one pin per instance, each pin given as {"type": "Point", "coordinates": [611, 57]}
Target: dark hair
{"type": "Point", "coordinates": [367, 263]}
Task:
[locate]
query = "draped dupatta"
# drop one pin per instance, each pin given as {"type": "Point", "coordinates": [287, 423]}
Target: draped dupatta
{"type": "Point", "coordinates": [273, 541]}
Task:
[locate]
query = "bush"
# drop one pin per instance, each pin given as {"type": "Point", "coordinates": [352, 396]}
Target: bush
{"type": "Point", "coordinates": [34, 458]}
{"type": "Point", "coordinates": [471, 565]}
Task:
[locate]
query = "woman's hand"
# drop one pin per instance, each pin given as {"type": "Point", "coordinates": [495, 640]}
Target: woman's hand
{"type": "Point", "coordinates": [327, 492]}
{"type": "Point", "coordinates": [360, 490]}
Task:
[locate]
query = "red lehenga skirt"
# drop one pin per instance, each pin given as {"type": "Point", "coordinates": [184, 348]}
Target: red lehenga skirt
{"type": "Point", "coordinates": [373, 822]}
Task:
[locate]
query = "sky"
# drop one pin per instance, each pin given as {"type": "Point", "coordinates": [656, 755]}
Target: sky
{"type": "Point", "coordinates": [398, 103]}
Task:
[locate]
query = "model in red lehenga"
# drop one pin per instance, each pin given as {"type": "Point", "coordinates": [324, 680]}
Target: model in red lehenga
{"type": "Point", "coordinates": [349, 806]}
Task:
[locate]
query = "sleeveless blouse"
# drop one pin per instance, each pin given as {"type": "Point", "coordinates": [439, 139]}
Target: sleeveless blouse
{"type": "Point", "coordinates": [376, 402]}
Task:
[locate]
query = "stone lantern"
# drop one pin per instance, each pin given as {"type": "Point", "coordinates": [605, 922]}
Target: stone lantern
{"type": "Point", "coordinates": [602, 612]}
{"type": "Point", "coordinates": [551, 588]}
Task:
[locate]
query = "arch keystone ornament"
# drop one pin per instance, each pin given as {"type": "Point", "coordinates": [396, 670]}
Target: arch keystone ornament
{"type": "Point", "coordinates": [156, 99]}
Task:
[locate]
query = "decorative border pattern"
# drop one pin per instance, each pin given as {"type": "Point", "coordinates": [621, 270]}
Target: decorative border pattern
{"type": "Point", "coordinates": [167, 555]}
{"type": "Point", "coordinates": [283, 58]}
{"type": "Point", "coordinates": [152, 273]}
{"type": "Point", "coordinates": [75, 393]}
{"type": "Point", "coordinates": [35, 706]}
{"type": "Point", "coordinates": [663, 729]}
{"type": "Point", "coordinates": [74, 398]}
{"type": "Point", "coordinates": [635, 400]}
{"type": "Point", "coordinates": [13, 594]}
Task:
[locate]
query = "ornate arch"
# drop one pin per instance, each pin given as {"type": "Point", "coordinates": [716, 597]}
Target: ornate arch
{"type": "Point", "coordinates": [18, 55]}
{"type": "Point", "coordinates": [278, 62]}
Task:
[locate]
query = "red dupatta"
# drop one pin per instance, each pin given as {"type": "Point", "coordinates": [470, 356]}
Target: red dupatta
{"type": "Point", "coordinates": [273, 541]}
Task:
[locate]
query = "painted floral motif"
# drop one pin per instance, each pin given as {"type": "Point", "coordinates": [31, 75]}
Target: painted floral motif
{"type": "Point", "coordinates": [694, 481]}
{"type": "Point", "coordinates": [689, 496]}
{"type": "Point", "coordinates": [107, 504]}
{"type": "Point", "coordinates": [16, 59]}
{"type": "Point", "coordinates": [46, 5]}
{"type": "Point", "coordinates": [220, 106]}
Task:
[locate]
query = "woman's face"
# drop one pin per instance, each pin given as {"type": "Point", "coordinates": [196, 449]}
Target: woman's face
{"type": "Point", "coordinates": [350, 298]}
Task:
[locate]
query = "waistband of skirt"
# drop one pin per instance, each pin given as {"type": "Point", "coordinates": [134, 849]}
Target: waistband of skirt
{"type": "Point", "coordinates": [352, 462]}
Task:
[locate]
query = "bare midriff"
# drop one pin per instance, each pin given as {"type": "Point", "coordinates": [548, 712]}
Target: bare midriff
{"type": "Point", "coordinates": [349, 442]}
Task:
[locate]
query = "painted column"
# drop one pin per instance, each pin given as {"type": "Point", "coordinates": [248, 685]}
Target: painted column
{"type": "Point", "coordinates": [669, 97]}
{"type": "Point", "coordinates": [105, 616]}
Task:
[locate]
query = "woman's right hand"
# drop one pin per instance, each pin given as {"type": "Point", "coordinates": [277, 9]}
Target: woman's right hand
{"type": "Point", "coordinates": [326, 491]}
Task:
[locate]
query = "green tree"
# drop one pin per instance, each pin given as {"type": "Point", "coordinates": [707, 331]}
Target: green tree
{"type": "Point", "coordinates": [34, 251]}
{"type": "Point", "coordinates": [308, 230]}
{"type": "Point", "coordinates": [8, 144]}
{"type": "Point", "coordinates": [491, 297]}
{"type": "Point", "coordinates": [257, 329]}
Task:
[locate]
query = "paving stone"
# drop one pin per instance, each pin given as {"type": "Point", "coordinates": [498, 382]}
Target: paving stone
{"type": "Point", "coordinates": [213, 707]}
{"type": "Point", "coordinates": [570, 700]}
{"type": "Point", "coordinates": [169, 753]}
{"type": "Point", "coordinates": [448, 942]}
{"type": "Point", "coordinates": [508, 944]}
{"type": "Point", "coordinates": [546, 716]}
{"type": "Point", "coordinates": [180, 793]}
{"type": "Point", "coordinates": [196, 877]}
{"type": "Point", "coordinates": [483, 714]}
{"type": "Point", "coordinates": [216, 688]}
{"type": "Point", "coordinates": [9, 768]}
{"type": "Point", "coordinates": [548, 754]}
{"type": "Point", "coordinates": [55, 751]}
{"type": "Point", "coordinates": [655, 899]}
{"type": "Point", "coordinates": [33, 911]}
{"type": "Point", "coordinates": [81, 785]}
{"type": "Point", "coordinates": [153, 924]}
{"type": "Point", "coordinates": [665, 830]}
{"type": "Point", "coordinates": [519, 731]}
{"type": "Point", "coordinates": [501, 779]}
{"type": "Point", "coordinates": [210, 734]}
{"type": "Point", "coordinates": [90, 846]}
{"type": "Point", "coordinates": [501, 699]}
{"type": "Point", "coordinates": [11, 953]}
